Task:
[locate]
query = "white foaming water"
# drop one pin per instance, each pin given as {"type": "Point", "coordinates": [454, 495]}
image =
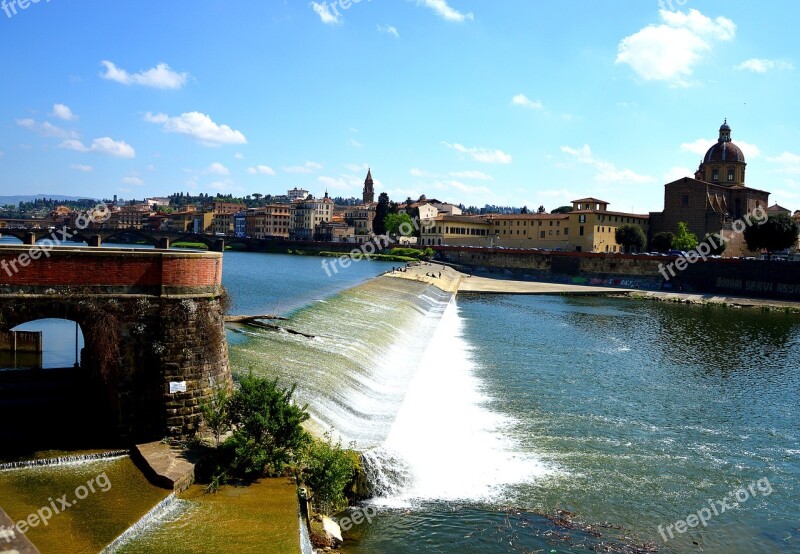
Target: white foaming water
{"type": "Point", "coordinates": [451, 444]}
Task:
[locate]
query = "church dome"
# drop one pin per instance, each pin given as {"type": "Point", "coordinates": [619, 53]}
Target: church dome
{"type": "Point", "coordinates": [724, 150]}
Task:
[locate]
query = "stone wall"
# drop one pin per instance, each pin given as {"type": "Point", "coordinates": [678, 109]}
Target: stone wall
{"type": "Point", "coordinates": [754, 278]}
{"type": "Point", "coordinates": [151, 320]}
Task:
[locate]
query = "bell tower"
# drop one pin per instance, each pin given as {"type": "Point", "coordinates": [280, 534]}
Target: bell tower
{"type": "Point", "coordinates": [369, 188]}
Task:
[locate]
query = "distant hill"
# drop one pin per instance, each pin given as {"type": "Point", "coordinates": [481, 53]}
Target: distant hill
{"type": "Point", "coordinates": [14, 200]}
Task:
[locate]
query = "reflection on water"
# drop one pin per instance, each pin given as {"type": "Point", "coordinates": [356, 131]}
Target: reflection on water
{"type": "Point", "coordinates": [62, 341]}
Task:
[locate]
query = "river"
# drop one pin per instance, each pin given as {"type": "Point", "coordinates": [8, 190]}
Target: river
{"type": "Point", "coordinates": [479, 412]}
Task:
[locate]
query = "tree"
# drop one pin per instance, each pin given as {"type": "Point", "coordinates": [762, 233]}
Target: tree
{"type": "Point", "coordinates": [268, 428]}
{"type": "Point", "coordinates": [541, 210]}
{"type": "Point", "coordinates": [381, 211]}
{"type": "Point", "coordinates": [524, 210]}
{"type": "Point", "coordinates": [630, 236]}
{"type": "Point", "coordinates": [779, 232]}
{"type": "Point", "coordinates": [717, 246]}
{"type": "Point", "coordinates": [215, 413]}
{"type": "Point", "coordinates": [662, 242]}
{"type": "Point", "coordinates": [399, 224]}
{"type": "Point", "coordinates": [328, 470]}
{"type": "Point", "coordinates": [562, 210]}
{"type": "Point", "coordinates": [683, 239]}
{"type": "Point", "coordinates": [257, 196]}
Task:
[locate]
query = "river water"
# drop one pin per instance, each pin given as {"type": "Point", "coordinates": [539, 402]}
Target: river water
{"type": "Point", "coordinates": [479, 412]}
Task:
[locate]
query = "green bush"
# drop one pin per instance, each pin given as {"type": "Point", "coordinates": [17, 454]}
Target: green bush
{"type": "Point", "coordinates": [268, 432]}
{"type": "Point", "coordinates": [328, 472]}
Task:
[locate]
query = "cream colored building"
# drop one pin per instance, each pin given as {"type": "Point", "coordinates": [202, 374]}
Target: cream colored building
{"type": "Point", "coordinates": [589, 227]}
{"type": "Point", "coordinates": [456, 230]}
{"type": "Point", "coordinates": [307, 214]}
{"type": "Point", "coordinates": [272, 221]}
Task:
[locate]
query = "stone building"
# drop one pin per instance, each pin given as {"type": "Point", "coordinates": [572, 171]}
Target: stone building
{"type": "Point", "coordinates": [307, 215]}
{"type": "Point", "coordinates": [717, 196]}
{"type": "Point", "coordinates": [589, 227]}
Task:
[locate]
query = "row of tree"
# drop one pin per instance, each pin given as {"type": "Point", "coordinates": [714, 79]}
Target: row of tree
{"type": "Point", "coordinates": [777, 233]}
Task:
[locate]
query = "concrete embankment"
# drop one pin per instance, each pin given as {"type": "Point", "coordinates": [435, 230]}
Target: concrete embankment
{"type": "Point", "coordinates": [454, 281]}
{"type": "Point", "coordinates": [451, 280]}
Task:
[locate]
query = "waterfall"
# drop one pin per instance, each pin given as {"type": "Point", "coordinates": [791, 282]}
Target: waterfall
{"type": "Point", "coordinates": [65, 460]}
{"type": "Point", "coordinates": [305, 540]}
{"type": "Point", "coordinates": [390, 371]}
{"type": "Point", "coordinates": [158, 512]}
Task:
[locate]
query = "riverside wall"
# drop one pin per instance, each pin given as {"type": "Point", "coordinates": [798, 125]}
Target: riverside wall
{"type": "Point", "coordinates": [751, 278]}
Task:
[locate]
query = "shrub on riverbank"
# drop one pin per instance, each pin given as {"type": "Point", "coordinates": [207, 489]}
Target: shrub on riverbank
{"type": "Point", "coordinates": [329, 470]}
{"type": "Point", "coordinates": [268, 439]}
{"type": "Point", "coordinates": [192, 245]}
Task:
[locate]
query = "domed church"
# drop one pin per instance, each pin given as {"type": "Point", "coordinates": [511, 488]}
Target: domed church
{"type": "Point", "coordinates": [711, 201]}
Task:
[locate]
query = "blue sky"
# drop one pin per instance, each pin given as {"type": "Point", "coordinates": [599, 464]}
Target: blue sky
{"type": "Point", "coordinates": [508, 102]}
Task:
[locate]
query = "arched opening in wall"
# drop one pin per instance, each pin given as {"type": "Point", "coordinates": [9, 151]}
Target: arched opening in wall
{"type": "Point", "coordinates": [8, 239]}
{"type": "Point", "coordinates": [49, 399]}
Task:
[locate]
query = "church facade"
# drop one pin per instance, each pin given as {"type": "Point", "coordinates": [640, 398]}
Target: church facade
{"type": "Point", "coordinates": [717, 196]}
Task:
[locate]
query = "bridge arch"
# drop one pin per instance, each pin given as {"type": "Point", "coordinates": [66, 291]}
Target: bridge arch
{"type": "Point", "coordinates": [153, 323]}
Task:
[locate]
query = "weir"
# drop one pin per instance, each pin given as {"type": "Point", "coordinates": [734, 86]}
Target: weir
{"type": "Point", "coordinates": [389, 371]}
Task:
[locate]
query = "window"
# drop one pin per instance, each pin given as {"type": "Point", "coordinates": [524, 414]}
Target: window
{"type": "Point", "coordinates": [551, 232]}
{"type": "Point", "coordinates": [582, 219]}
{"type": "Point", "coordinates": [685, 200]}
{"type": "Point", "coordinates": [542, 234]}
{"type": "Point", "coordinates": [580, 230]}
{"type": "Point", "coordinates": [566, 231]}
{"type": "Point", "coordinates": [715, 175]}
{"type": "Point", "coordinates": [730, 175]}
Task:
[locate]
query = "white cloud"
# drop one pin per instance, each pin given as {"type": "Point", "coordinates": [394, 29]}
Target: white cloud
{"type": "Point", "coordinates": [607, 172]}
{"type": "Point", "coordinates": [676, 173]}
{"type": "Point", "coordinates": [308, 167]}
{"type": "Point", "coordinates": [388, 30]}
{"type": "Point", "coordinates": [476, 175]}
{"type": "Point", "coordinates": [670, 51]}
{"type": "Point", "coordinates": [261, 170]}
{"type": "Point", "coordinates": [133, 180]}
{"type": "Point", "coordinates": [197, 125]}
{"type": "Point", "coordinates": [469, 174]}
{"type": "Point", "coordinates": [483, 155]}
{"type": "Point", "coordinates": [354, 142]}
{"type": "Point", "coordinates": [63, 112]}
{"type": "Point", "coordinates": [218, 169]}
{"type": "Point", "coordinates": [46, 129]}
{"type": "Point", "coordinates": [82, 168]}
{"type": "Point", "coordinates": [239, 156]}
{"type": "Point", "coordinates": [355, 168]}
{"type": "Point", "coordinates": [105, 145]}
{"type": "Point", "coordinates": [525, 102]}
{"type": "Point", "coordinates": [443, 10]}
{"type": "Point", "coordinates": [452, 184]}
{"type": "Point", "coordinates": [161, 76]}
{"type": "Point", "coordinates": [761, 65]}
{"type": "Point", "coordinates": [786, 163]}
{"type": "Point", "coordinates": [701, 146]}
{"type": "Point", "coordinates": [225, 185]}
{"type": "Point", "coordinates": [325, 15]}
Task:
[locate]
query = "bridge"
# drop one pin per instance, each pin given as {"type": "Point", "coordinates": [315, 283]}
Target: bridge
{"type": "Point", "coordinates": [153, 327]}
{"type": "Point", "coordinates": [30, 235]}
